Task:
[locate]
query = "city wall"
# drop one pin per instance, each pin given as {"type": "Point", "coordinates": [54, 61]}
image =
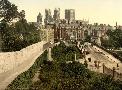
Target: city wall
{"type": "Point", "coordinates": [10, 60]}
{"type": "Point", "coordinates": [15, 63]}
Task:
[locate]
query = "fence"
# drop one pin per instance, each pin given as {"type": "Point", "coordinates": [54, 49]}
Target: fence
{"type": "Point", "coordinates": [112, 72]}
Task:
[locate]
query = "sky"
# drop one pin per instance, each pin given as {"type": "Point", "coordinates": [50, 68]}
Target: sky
{"type": "Point", "coordinates": [100, 11]}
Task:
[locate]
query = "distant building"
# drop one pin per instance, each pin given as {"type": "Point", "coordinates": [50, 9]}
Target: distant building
{"type": "Point", "coordinates": [47, 33]}
{"type": "Point", "coordinates": [70, 14]}
{"type": "Point", "coordinates": [98, 31]}
{"type": "Point", "coordinates": [48, 17]}
{"type": "Point", "coordinates": [69, 31]}
{"type": "Point", "coordinates": [39, 18]}
{"type": "Point", "coordinates": [56, 15]}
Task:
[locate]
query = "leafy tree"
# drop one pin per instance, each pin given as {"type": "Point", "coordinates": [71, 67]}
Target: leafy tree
{"type": "Point", "coordinates": [63, 53]}
{"type": "Point", "coordinates": [88, 38]}
{"type": "Point", "coordinates": [115, 38]}
{"type": "Point", "coordinates": [72, 76]}
{"type": "Point", "coordinates": [8, 11]}
{"type": "Point", "coordinates": [107, 43]}
{"type": "Point", "coordinates": [19, 35]}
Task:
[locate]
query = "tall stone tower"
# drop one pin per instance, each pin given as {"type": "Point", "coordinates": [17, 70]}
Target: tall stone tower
{"type": "Point", "coordinates": [39, 18]}
{"type": "Point", "coordinates": [56, 15]}
{"type": "Point", "coordinates": [48, 16]}
{"type": "Point", "coordinates": [70, 14]}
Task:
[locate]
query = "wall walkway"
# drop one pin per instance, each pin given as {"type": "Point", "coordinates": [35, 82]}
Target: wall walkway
{"type": "Point", "coordinates": [14, 63]}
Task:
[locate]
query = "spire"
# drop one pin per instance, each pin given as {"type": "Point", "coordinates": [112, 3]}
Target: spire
{"type": "Point", "coordinates": [88, 20]}
{"type": "Point", "coordinates": [39, 14]}
{"type": "Point", "coordinates": [116, 25]}
{"type": "Point", "coordinates": [39, 18]}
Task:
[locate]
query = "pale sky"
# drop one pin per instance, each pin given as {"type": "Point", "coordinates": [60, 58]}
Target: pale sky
{"type": "Point", "coordinates": [101, 11]}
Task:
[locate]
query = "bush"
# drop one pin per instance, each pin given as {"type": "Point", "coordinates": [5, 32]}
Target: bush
{"type": "Point", "coordinates": [72, 76]}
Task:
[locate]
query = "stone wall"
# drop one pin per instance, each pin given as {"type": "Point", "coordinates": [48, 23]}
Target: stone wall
{"type": "Point", "coordinates": [115, 74]}
{"type": "Point", "coordinates": [10, 60]}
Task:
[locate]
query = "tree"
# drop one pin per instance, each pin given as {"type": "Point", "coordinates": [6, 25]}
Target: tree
{"type": "Point", "coordinates": [8, 11]}
{"type": "Point", "coordinates": [63, 53]}
{"type": "Point", "coordinates": [107, 43]}
{"type": "Point", "coordinates": [21, 15]}
{"type": "Point", "coordinates": [88, 38]}
{"type": "Point", "coordinates": [19, 35]}
{"type": "Point", "coordinates": [114, 39]}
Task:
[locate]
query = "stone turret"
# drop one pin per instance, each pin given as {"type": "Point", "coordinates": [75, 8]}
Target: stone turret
{"type": "Point", "coordinates": [39, 18]}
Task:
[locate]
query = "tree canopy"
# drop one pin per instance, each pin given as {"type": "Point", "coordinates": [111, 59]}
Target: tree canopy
{"type": "Point", "coordinates": [63, 53]}
{"type": "Point", "coordinates": [9, 11]}
{"type": "Point", "coordinates": [19, 34]}
{"type": "Point", "coordinates": [115, 39]}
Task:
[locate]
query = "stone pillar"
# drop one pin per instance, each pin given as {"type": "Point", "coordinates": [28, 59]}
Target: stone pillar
{"type": "Point", "coordinates": [49, 54]}
{"type": "Point", "coordinates": [113, 72]}
{"type": "Point", "coordinates": [75, 57]}
{"type": "Point", "coordinates": [103, 68]}
{"type": "Point", "coordinates": [84, 52]}
{"type": "Point", "coordinates": [99, 41]}
{"type": "Point", "coordinates": [76, 35]}
{"type": "Point", "coordinates": [60, 34]}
